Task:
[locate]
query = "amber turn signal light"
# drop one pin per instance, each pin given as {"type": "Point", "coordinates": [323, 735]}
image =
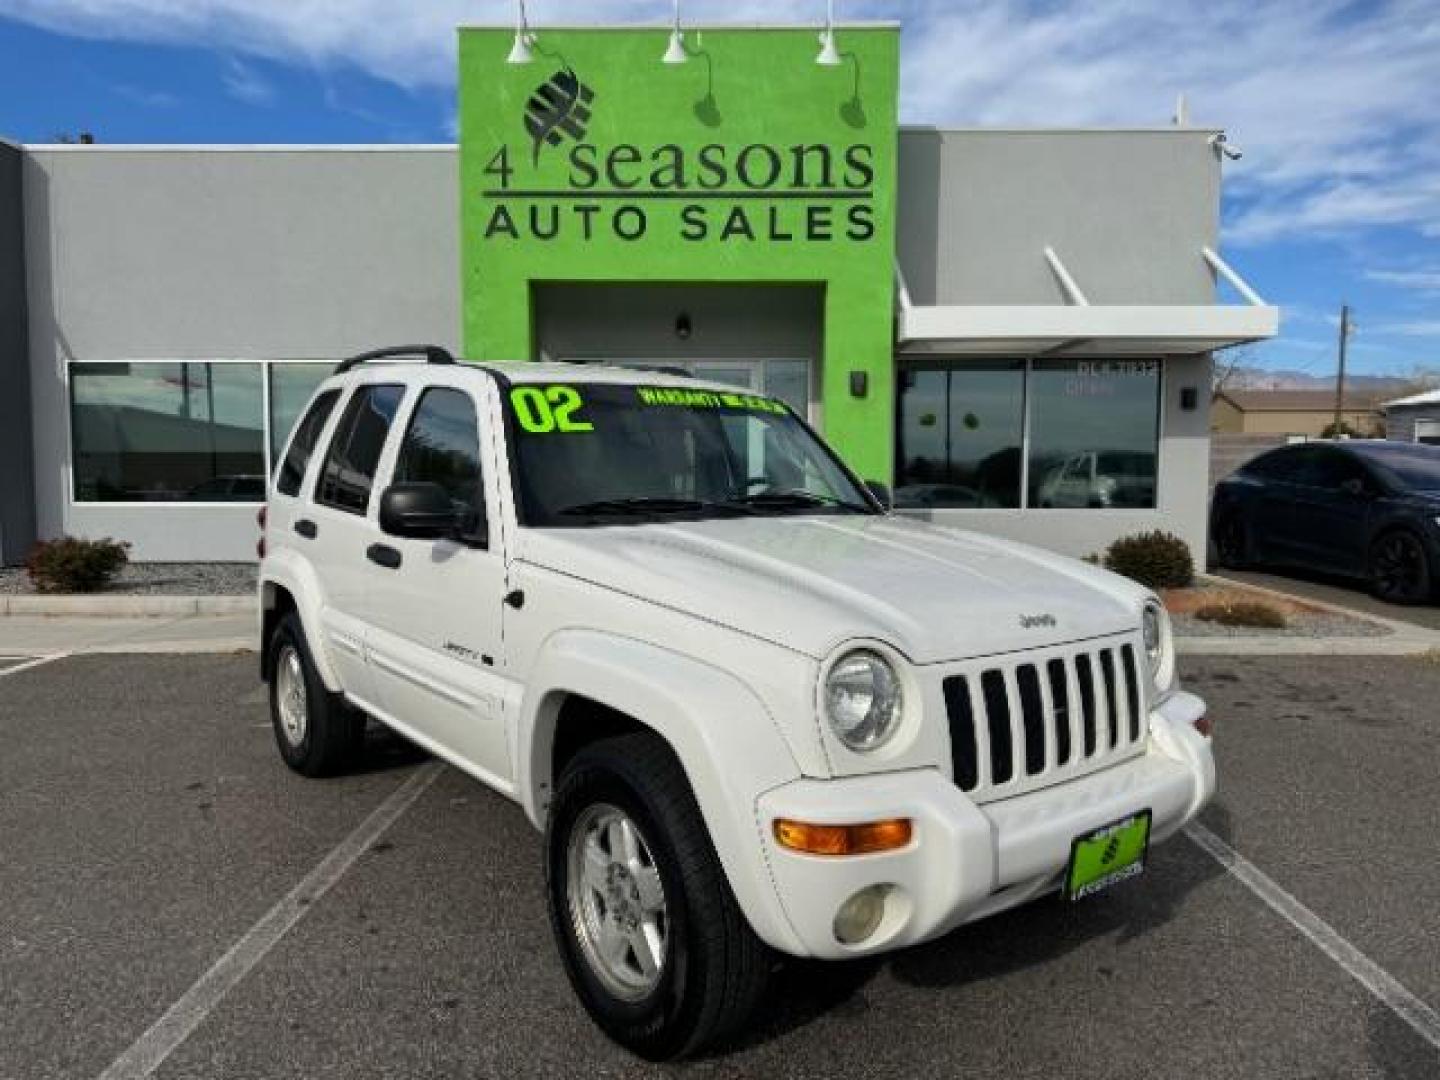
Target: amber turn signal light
{"type": "Point", "coordinates": [843, 839]}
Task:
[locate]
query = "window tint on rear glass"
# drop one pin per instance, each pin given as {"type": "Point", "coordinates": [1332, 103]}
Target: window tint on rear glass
{"type": "Point", "coordinates": [307, 434]}
{"type": "Point", "coordinates": [443, 447]}
{"type": "Point", "coordinates": [349, 471]}
{"type": "Point", "coordinates": [1283, 464]}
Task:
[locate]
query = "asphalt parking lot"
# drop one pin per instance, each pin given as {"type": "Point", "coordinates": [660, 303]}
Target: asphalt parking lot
{"type": "Point", "coordinates": [147, 826]}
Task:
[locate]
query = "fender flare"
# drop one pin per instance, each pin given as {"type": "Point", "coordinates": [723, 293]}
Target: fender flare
{"type": "Point", "coordinates": [724, 737]}
{"type": "Point", "coordinates": [298, 578]}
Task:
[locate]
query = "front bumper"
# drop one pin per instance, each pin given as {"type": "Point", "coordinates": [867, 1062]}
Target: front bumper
{"type": "Point", "coordinates": [967, 861]}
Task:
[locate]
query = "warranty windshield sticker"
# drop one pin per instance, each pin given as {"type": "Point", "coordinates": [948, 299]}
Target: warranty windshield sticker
{"type": "Point", "coordinates": [706, 399]}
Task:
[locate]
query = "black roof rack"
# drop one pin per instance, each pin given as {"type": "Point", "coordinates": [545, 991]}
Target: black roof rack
{"type": "Point", "coordinates": [434, 354]}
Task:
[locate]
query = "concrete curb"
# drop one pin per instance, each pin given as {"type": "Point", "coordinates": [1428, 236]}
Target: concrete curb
{"type": "Point", "coordinates": [1396, 645]}
{"type": "Point", "coordinates": [118, 606]}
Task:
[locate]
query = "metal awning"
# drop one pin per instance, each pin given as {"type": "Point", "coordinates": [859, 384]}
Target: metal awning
{"type": "Point", "coordinates": [1079, 328]}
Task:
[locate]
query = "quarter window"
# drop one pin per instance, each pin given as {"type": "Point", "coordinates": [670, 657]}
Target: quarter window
{"type": "Point", "coordinates": [355, 449]}
{"type": "Point", "coordinates": [302, 446]}
{"type": "Point", "coordinates": [442, 447]}
{"type": "Point", "coordinates": [291, 386]}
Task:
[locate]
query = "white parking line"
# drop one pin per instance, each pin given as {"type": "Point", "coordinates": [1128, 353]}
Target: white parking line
{"type": "Point", "coordinates": [28, 664]}
{"type": "Point", "coordinates": [182, 1018]}
{"type": "Point", "coordinates": [1423, 1019]}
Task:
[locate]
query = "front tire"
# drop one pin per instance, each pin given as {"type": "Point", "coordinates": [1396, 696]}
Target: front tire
{"type": "Point", "coordinates": [316, 732]}
{"type": "Point", "coordinates": [1399, 571]}
{"type": "Point", "coordinates": [651, 935]}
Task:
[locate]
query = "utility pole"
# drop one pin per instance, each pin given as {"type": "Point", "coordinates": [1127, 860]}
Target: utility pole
{"type": "Point", "coordinates": [1340, 378]}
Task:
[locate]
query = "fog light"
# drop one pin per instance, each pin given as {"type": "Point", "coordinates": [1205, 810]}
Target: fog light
{"type": "Point", "coordinates": [860, 916]}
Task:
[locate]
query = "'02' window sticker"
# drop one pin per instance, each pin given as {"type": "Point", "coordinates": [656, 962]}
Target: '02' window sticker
{"type": "Point", "coordinates": [545, 409]}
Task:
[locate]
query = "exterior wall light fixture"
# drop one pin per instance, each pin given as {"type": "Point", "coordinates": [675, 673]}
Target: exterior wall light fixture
{"type": "Point", "coordinates": [676, 53]}
{"type": "Point", "coordinates": [521, 51]}
{"type": "Point", "coordinates": [829, 53]}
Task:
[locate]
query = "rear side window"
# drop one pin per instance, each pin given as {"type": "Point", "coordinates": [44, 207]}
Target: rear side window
{"type": "Point", "coordinates": [349, 471]}
{"type": "Point", "coordinates": [1283, 464]}
{"type": "Point", "coordinates": [443, 447]}
{"type": "Point", "coordinates": [302, 446]}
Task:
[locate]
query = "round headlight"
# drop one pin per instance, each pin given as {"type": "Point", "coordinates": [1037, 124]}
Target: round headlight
{"type": "Point", "coordinates": [862, 700]}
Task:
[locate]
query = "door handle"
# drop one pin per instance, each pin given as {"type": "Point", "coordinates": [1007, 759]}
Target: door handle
{"type": "Point", "coordinates": [306, 528]}
{"type": "Point", "coordinates": [383, 555]}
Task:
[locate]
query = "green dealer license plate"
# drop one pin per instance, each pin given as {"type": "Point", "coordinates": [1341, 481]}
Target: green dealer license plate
{"type": "Point", "coordinates": [1107, 856]}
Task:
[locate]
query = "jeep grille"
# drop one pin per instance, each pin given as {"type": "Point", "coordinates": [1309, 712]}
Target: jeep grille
{"type": "Point", "coordinates": [1020, 725]}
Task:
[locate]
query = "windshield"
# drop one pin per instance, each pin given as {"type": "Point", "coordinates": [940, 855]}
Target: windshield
{"type": "Point", "coordinates": [1413, 466]}
{"type": "Point", "coordinates": [599, 453]}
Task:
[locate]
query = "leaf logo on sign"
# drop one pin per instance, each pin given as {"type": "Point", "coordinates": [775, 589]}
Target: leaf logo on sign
{"type": "Point", "coordinates": [559, 107]}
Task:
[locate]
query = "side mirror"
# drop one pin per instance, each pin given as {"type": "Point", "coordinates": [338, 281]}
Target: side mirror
{"type": "Point", "coordinates": [420, 511]}
{"type": "Point", "coordinates": [881, 492]}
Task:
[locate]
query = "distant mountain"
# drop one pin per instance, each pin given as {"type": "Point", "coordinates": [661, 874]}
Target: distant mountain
{"type": "Point", "coordinates": [1250, 378]}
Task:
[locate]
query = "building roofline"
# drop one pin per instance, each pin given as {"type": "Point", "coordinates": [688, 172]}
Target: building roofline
{"type": "Point", "coordinates": [1041, 129]}
{"type": "Point", "coordinates": [667, 26]}
{"type": "Point", "coordinates": [275, 148]}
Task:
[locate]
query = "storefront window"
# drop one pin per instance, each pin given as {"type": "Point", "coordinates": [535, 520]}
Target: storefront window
{"type": "Point", "coordinates": [1094, 432]}
{"type": "Point", "coordinates": [168, 432]}
{"type": "Point", "coordinates": [291, 386]}
{"type": "Point", "coordinates": [959, 436]}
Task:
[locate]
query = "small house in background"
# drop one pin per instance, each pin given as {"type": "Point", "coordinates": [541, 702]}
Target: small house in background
{"type": "Point", "coordinates": [1294, 413]}
{"type": "Point", "coordinates": [1414, 419]}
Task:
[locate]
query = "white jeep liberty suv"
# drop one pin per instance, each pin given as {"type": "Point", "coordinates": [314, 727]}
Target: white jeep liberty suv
{"type": "Point", "coordinates": [753, 711]}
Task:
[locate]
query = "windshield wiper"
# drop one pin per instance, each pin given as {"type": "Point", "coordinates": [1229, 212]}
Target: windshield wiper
{"type": "Point", "coordinates": [798, 498]}
{"type": "Point", "coordinates": [641, 505]}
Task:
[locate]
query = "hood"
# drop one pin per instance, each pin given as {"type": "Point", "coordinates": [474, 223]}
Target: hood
{"type": "Point", "coordinates": [812, 583]}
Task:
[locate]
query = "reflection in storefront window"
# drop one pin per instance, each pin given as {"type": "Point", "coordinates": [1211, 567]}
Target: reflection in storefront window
{"type": "Point", "coordinates": [291, 386]}
{"type": "Point", "coordinates": [168, 432]}
{"type": "Point", "coordinates": [1094, 430]}
{"type": "Point", "coordinates": [959, 436]}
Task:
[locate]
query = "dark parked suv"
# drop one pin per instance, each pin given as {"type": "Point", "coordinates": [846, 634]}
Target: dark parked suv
{"type": "Point", "coordinates": [1363, 508]}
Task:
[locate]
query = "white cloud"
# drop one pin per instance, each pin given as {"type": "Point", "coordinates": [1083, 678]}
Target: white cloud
{"type": "Point", "coordinates": [244, 83]}
{"type": "Point", "coordinates": [1424, 280]}
{"type": "Point", "coordinates": [1332, 102]}
{"type": "Point", "coordinates": [1422, 328]}
{"type": "Point", "coordinates": [151, 99]}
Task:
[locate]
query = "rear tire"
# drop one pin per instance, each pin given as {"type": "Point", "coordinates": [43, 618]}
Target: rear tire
{"type": "Point", "coordinates": [1399, 570]}
{"type": "Point", "coordinates": [316, 732]}
{"type": "Point", "coordinates": [657, 883]}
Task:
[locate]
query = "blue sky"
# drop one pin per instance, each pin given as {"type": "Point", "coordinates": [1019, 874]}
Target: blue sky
{"type": "Point", "coordinates": [1337, 197]}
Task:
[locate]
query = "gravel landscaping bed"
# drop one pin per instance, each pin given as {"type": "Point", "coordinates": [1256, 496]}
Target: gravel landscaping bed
{"type": "Point", "coordinates": [1301, 621]}
{"type": "Point", "coordinates": [1315, 624]}
{"type": "Point", "coordinates": [159, 579]}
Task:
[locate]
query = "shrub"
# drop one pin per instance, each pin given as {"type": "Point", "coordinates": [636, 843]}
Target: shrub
{"type": "Point", "coordinates": [71, 564]}
{"type": "Point", "coordinates": [1157, 560]}
{"type": "Point", "coordinates": [1242, 613]}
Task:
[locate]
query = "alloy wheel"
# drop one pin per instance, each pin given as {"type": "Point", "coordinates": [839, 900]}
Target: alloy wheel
{"type": "Point", "coordinates": [1398, 567]}
{"type": "Point", "coordinates": [290, 695]}
{"type": "Point", "coordinates": [617, 902]}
